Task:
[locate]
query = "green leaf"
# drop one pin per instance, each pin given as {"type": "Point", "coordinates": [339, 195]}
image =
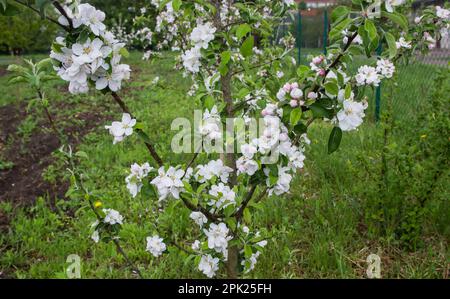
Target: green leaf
{"type": "Point", "coordinates": [247, 216]}
{"type": "Point", "coordinates": [392, 47]}
{"type": "Point", "coordinates": [188, 187]}
{"type": "Point", "coordinates": [243, 30]}
{"type": "Point", "coordinates": [296, 114]}
{"type": "Point", "coordinates": [332, 88]}
{"type": "Point", "coordinates": [319, 111]}
{"type": "Point", "coordinates": [339, 13]}
{"type": "Point", "coordinates": [225, 57]}
{"type": "Point", "coordinates": [247, 251]}
{"type": "Point", "coordinates": [369, 26]}
{"type": "Point", "coordinates": [176, 4]}
{"type": "Point", "coordinates": [302, 70]}
{"type": "Point", "coordinates": [44, 63]}
{"type": "Point", "coordinates": [335, 140]}
{"type": "Point", "coordinates": [209, 102]}
{"type": "Point", "coordinates": [41, 5]}
{"type": "Point", "coordinates": [9, 10]}
{"type": "Point", "coordinates": [124, 52]}
{"type": "Point", "coordinates": [399, 19]}
{"type": "Point", "coordinates": [81, 154]}
{"type": "Point", "coordinates": [247, 46]}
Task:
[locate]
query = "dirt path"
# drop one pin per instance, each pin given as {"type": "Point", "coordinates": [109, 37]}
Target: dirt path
{"type": "Point", "coordinates": [23, 183]}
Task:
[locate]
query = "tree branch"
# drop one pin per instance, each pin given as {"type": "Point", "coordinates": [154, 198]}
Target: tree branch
{"type": "Point", "coordinates": [247, 199]}
{"type": "Point", "coordinates": [149, 146]}
{"type": "Point", "coordinates": [63, 12]}
{"type": "Point", "coordinates": [37, 11]}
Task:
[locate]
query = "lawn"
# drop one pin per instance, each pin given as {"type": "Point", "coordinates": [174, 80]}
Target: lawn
{"type": "Point", "coordinates": [319, 230]}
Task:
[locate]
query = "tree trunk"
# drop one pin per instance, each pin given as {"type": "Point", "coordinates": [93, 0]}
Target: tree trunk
{"type": "Point", "coordinates": [229, 160]}
{"type": "Point", "coordinates": [232, 262]}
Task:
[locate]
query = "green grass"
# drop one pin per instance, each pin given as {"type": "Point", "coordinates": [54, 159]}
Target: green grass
{"type": "Point", "coordinates": [318, 229]}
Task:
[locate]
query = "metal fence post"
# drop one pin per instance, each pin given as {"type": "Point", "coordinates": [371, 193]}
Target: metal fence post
{"type": "Point", "coordinates": [325, 31]}
{"type": "Point", "coordinates": [378, 92]}
{"type": "Point", "coordinates": [299, 36]}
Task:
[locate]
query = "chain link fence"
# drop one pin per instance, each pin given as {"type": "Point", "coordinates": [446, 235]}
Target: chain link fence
{"type": "Point", "coordinates": [310, 27]}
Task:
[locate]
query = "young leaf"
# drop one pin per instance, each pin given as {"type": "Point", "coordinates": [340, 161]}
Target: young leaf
{"type": "Point", "coordinates": [335, 140]}
{"type": "Point", "coordinates": [296, 114]}
{"type": "Point", "coordinates": [242, 31]}
{"type": "Point", "coordinates": [339, 13]}
{"type": "Point", "coordinates": [247, 46]}
{"type": "Point", "coordinates": [390, 39]}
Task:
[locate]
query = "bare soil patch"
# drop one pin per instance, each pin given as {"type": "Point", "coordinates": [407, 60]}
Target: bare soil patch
{"type": "Point", "coordinates": [23, 183]}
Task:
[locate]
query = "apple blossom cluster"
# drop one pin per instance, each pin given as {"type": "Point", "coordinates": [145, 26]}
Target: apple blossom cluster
{"type": "Point", "coordinates": [165, 23]}
{"type": "Point", "coordinates": [111, 218]}
{"type": "Point", "coordinates": [351, 116]}
{"type": "Point", "coordinates": [200, 38]}
{"type": "Point", "coordinates": [155, 245]}
{"type": "Point", "coordinates": [209, 127]}
{"type": "Point", "coordinates": [120, 129]}
{"type": "Point", "coordinates": [209, 265]}
{"type": "Point", "coordinates": [94, 57]}
{"type": "Point", "coordinates": [137, 174]}
{"type": "Point", "coordinates": [170, 182]}
{"type": "Point", "coordinates": [437, 19]}
{"type": "Point", "coordinates": [369, 75]}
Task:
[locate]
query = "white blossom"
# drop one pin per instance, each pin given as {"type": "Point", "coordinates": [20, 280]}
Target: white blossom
{"type": "Point", "coordinates": [351, 116]}
{"type": "Point", "coordinates": [199, 218]}
{"type": "Point", "coordinates": [134, 179]}
{"type": "Point", "coordinates": [385, 68]}
{"type": "Point", "coordinates": [196, 245]}
{"type": "Point", "coordinates": [213, 168]}
{"type": "Point", "coordinates": [169, 182]}
{"type": "Point", "coordinates": [247, 166]}
{"type": "Point", "coordinates": [191, 60]}
{"type": "Point", "coordinates": [202, 35]}
{"type": "Point", "coordinates": [224, 196]}
{"type": "Point", "coordinates": [402, 43]}
{"type": "Point", "coordinates": [155, 245]}
{"type": "Point", "coordinates": [91, 17]}
{"type": "Point", "coordinates": [95, 236]}
{"type": "Point", "coordinates": [112, 217]}
{"type": "Point", "coordinates": [218, 237]}
{"type": "Point", "coordinates": [390, 4]}
{"type": "Point", "coordinates": [367, 75]}
{"type": "Point", "coordinates": [120, 129]}
{"type": "Point", "coordinates": [208, 265]}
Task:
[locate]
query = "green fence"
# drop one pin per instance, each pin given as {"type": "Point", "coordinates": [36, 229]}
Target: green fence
{"type": "Point", "coordinates": [311, 27]}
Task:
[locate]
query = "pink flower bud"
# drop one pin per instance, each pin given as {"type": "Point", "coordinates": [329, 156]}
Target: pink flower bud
{"type": "Point", "coordinates": [312, 95]}
{"type": "Point", "coordinates": [293, 103]}
{"type": "Point", "coordinates": [287, 87]}
{"type": "Point", "coordinates": [294, 85]}
{"type": "Point", "coordinates": [317, 60]}
{"type": "Point", "coordinates": [322, 73]}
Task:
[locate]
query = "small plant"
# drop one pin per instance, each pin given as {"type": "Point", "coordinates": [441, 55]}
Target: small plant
{"type": "Point", "coordinates": [35, 75]}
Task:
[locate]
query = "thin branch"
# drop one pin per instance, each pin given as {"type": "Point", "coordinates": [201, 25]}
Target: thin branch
{"type": "Point", "coordinates": [149, 146]}
{"type": "Point", "coordinates": [100, 218]}
{"type": "Point", "coordinates": [246, 201]}
{"type": "Point", "coordinates": [197, 208]}
{"type": "Point", "coordinates": [337, 59]}
{"type": "Point", "coordinates": [37, 11]}
{"type": "Point", "coordinates": [63, 12]}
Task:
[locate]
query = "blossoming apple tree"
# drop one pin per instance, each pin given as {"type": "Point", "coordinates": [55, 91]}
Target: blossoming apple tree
{"type": "Point", "coordinates": [227, 48]}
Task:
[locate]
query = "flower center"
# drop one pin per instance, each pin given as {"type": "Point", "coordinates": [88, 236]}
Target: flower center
{"type": "Point", "coordinates": [87, 50]}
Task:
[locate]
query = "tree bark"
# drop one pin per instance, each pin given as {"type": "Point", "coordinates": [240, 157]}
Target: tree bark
{"type": "Point", "coordinates": [229, 160]}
